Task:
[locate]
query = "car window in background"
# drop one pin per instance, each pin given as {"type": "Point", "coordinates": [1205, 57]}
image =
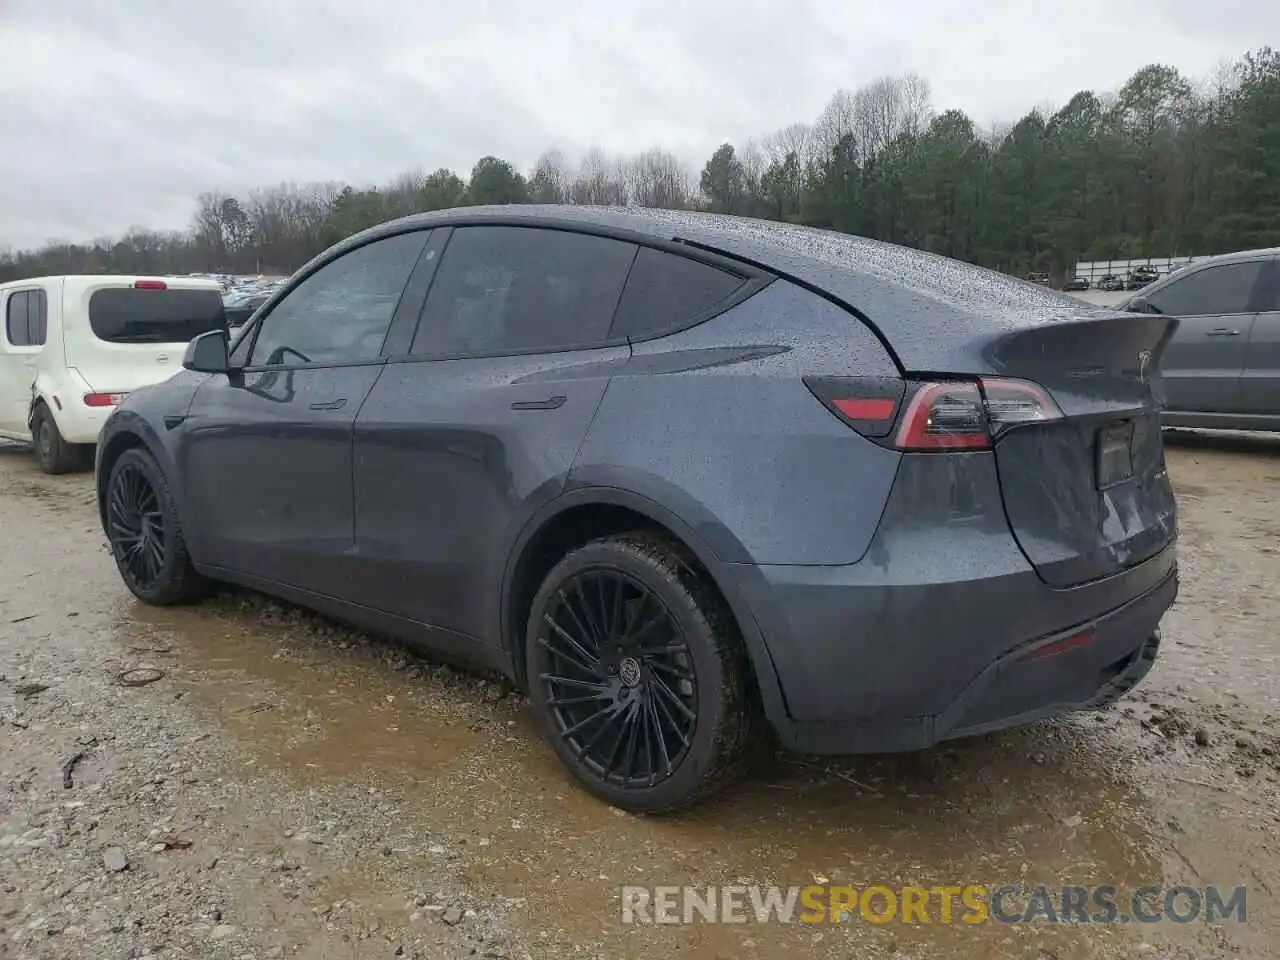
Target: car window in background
{"type": "Point", "coordinates": [25, 318]}
{"type": "Point", "coordinates": [131, 315]}
{"type": "Point", "coordinates": [1221, 289]}
{"type": "Point", "coordinates": [665, 290]}
{"type": "Point", "coordinates": [341, 313]}
{"type": "Point", "coordinates": [520, 289]}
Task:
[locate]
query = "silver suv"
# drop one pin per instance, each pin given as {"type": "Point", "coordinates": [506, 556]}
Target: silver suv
{"type": "Point", "coordinates": [1222, 368]}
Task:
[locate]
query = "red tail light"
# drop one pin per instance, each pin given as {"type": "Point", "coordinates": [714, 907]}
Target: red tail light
{"type": "Point", "coordinates": [937, 414]}
{"type": "Point", "coordinates": [150, 285]}
{"type": "Point", "coordinates": [868, 404]}
{"type": "Point", "coordinates": [103, 399]}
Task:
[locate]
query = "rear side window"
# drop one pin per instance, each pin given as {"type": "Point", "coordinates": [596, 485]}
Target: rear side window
{"type": "Point", "coordinates": [520, 290]}
{"type": "Point", "coordinates": [666, 291]}
{"type": "Point", "coordinates": [26, 318]}
{"type": "Point", "coordinates": [129, 315]}
{"type": "Point", "coordinates": [1223, 289]}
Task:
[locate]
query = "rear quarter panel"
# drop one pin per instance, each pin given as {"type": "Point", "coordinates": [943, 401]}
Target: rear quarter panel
{"type": "Point", "coordinates": [716, 424]}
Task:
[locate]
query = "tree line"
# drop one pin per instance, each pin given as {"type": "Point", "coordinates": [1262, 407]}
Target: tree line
{"type": "Point", "coordinates": [1162, 167]}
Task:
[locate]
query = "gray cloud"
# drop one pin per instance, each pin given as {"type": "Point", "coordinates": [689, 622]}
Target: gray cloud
{"type": "Point", "coordinates": [118, 114]}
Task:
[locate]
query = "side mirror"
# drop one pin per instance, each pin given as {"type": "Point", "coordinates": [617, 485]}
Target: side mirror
{"type": "Point", "coordinates": [1140, 305]}
{"type": "Point", "coordinates": [209, 353]}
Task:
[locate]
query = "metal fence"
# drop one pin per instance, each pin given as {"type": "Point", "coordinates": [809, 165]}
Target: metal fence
{"type": "Point", "coordinates": [1095, 270]}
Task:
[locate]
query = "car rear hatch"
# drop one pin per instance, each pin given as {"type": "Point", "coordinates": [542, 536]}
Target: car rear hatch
{"type": "Point", "coordinates": [1087, 493]}
{"type": "Point", "coordinates": [137, 331]}
{"type": "Point", "coordinates": [1083, 480]}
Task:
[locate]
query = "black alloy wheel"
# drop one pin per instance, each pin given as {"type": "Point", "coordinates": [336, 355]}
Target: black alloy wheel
{"type": "Point", "coordinates": [137, 526]}
{"type": "Point", "coordinates": [618, 677]}
{"type": "Point", "coordinates": [145, 533]}
{"type": "Point", "coordinates": [639, 674]}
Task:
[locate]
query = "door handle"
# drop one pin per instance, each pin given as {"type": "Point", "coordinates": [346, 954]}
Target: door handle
{"type": "Point", "coordinates": [337, 404]}
{"type": "Point", "coordinates": [1223, 332]}
{"type": "Point", "coordinates": [551, 403]}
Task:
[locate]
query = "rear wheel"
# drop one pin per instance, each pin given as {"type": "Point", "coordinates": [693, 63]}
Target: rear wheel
{"type": "Point", "coordinates": [146, 534]}
{"type": "Point", "coordinates": [639, 676]}
{"type": "Point", "coordinates": [53, 453]}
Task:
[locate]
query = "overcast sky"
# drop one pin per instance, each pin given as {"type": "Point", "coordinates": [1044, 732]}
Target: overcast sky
{"type": "Point", "coordinates": [118, 112]}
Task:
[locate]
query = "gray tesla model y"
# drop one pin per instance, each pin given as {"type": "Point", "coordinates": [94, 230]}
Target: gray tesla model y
{"type": "Point", "coordinates": [687, 479]}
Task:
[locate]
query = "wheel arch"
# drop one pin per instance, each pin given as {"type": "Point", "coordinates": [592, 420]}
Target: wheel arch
{"type": "Point", "coordinates": [126, 431]}
{"type": "Point", "coordinates": [590, 512]}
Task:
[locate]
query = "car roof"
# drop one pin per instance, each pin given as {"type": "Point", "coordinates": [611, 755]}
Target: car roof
{"type": "Point", "coordinates": [89, 279]}
{"type": "Point", "coordinates": [911, 297]}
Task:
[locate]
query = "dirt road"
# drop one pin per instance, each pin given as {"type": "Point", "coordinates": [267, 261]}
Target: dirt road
{"type": "Point", "coordinates": [243, 780]}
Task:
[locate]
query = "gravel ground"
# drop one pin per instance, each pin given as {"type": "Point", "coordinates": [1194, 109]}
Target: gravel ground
{"type": "Point", "coordinates": [245, 780]}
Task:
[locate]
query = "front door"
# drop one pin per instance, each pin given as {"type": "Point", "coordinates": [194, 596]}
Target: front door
{"type": "Point", "coordinates": [1203, 363]}
{"type": "Point", "coordinates": [266, 451]}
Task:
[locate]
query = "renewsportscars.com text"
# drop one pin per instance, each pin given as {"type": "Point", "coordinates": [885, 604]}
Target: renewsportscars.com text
{"type": "Point", "coordinates": [945, 904]}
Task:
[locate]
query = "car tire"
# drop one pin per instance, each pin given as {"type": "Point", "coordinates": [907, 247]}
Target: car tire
{"type": "Point", "coordinates": [699, 733]}
{"type": "Point", "coordinates": [145, 532]}
{"type": "Point", "coordinates": [54, 454]}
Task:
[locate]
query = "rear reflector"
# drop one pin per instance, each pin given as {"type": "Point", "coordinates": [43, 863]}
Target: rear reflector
{"type": "Point", "coordinates": [937, 415]}
{"type": "Point", "coordinates": [103, 399]}
{"type": "Point", "coordinates": [1055, 647]}
{"type": "Point", "coordinates": [150, 285]}
{"type": "Point", "coordinates": [879, 410]}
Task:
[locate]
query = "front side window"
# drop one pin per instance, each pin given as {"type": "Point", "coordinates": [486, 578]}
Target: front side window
{"type": "Point", "coordinates": [342, 312]}
{"type": "Point", "coordinates": [520, 290]}
{"type": "Point", "coordinates": [1214, 290]}
{"type": "Point", "coordinates": [25, 318]}
{"type": "Point", "coordinates": [154, 314]}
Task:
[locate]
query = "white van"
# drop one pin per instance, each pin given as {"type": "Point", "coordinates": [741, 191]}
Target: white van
{"type": "Point", "coordinates": [72, 347]}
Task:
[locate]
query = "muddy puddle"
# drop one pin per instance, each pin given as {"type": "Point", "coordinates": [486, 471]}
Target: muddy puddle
{"type": "Point", "coordinates": [1032, 806]}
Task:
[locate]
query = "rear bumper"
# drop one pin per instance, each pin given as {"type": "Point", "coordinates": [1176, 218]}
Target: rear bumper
{"type": "Point", "coordinates": [1083, 667]}
{"type": "Point", "coordinates": [908, 692]}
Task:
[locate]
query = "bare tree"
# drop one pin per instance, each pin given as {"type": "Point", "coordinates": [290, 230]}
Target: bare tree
{"type": "Point", "coordinates": [657, 178]}
{"type": "Point", "coordinates": [549, 181]}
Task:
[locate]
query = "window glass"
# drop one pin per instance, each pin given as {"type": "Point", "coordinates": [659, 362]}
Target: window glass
{"type": "Point", "coordinates": [15, 320]}
{"type": "Point", "coordinates": [665, 289]}
{"type": "Point", "coordinates": [130, 315]}
{"type": "Point", "coordinates": [519, 289]}
{"type": "Point", "coordinates": [1222, 289]}
{"type": "Point", "coordinates": [37, 313]}
{"type": "Point", "coordinates": [343, 311]}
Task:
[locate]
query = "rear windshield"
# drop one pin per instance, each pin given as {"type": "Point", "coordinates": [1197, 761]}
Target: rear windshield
{"type": "Point", "coordinates": [126, 315]}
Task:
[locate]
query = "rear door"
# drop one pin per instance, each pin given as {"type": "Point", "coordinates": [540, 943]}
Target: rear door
{"type": "Point", "coordinates": [25, 329]}
{"type": "Point", "coordinates": [1260, 383]}
{"type": "Point", "coordinates": [121, 333]}
{"type": "Point", "coordinates": [266, 454]}
{"type": "Point", "coordinates": [478, 424]}
{"type": "Point", "coordinates": [1203, 364]}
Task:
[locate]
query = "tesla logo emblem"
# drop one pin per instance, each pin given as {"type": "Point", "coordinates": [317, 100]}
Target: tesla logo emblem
{"type": "Point", "coordinates": [1144, 362]}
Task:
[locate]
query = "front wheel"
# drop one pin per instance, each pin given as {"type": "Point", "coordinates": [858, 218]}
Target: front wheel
{"type": "Point", "coordinates": [145, 532]}
{"type": "Point", "coordinates": [639, 676]}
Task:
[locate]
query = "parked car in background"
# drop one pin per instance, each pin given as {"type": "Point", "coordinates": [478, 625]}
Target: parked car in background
{"type": "Point", "coordinates": [1222, 367]}
{"type": "Point", "coordinates": [1140, 277]}
{"type": "Point", "coordinates": [677, 475]}
{"type": "Point", "coordinates": [240, 307]}
{"type": "Point", "coordinates": [1040, 278]}
{"type": "Point", "coordinates": [1076, 284]}
{"type": "Point", "coordinates": [1111, 283]}
{"type": "Point", "coordinates": [73, 347]}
